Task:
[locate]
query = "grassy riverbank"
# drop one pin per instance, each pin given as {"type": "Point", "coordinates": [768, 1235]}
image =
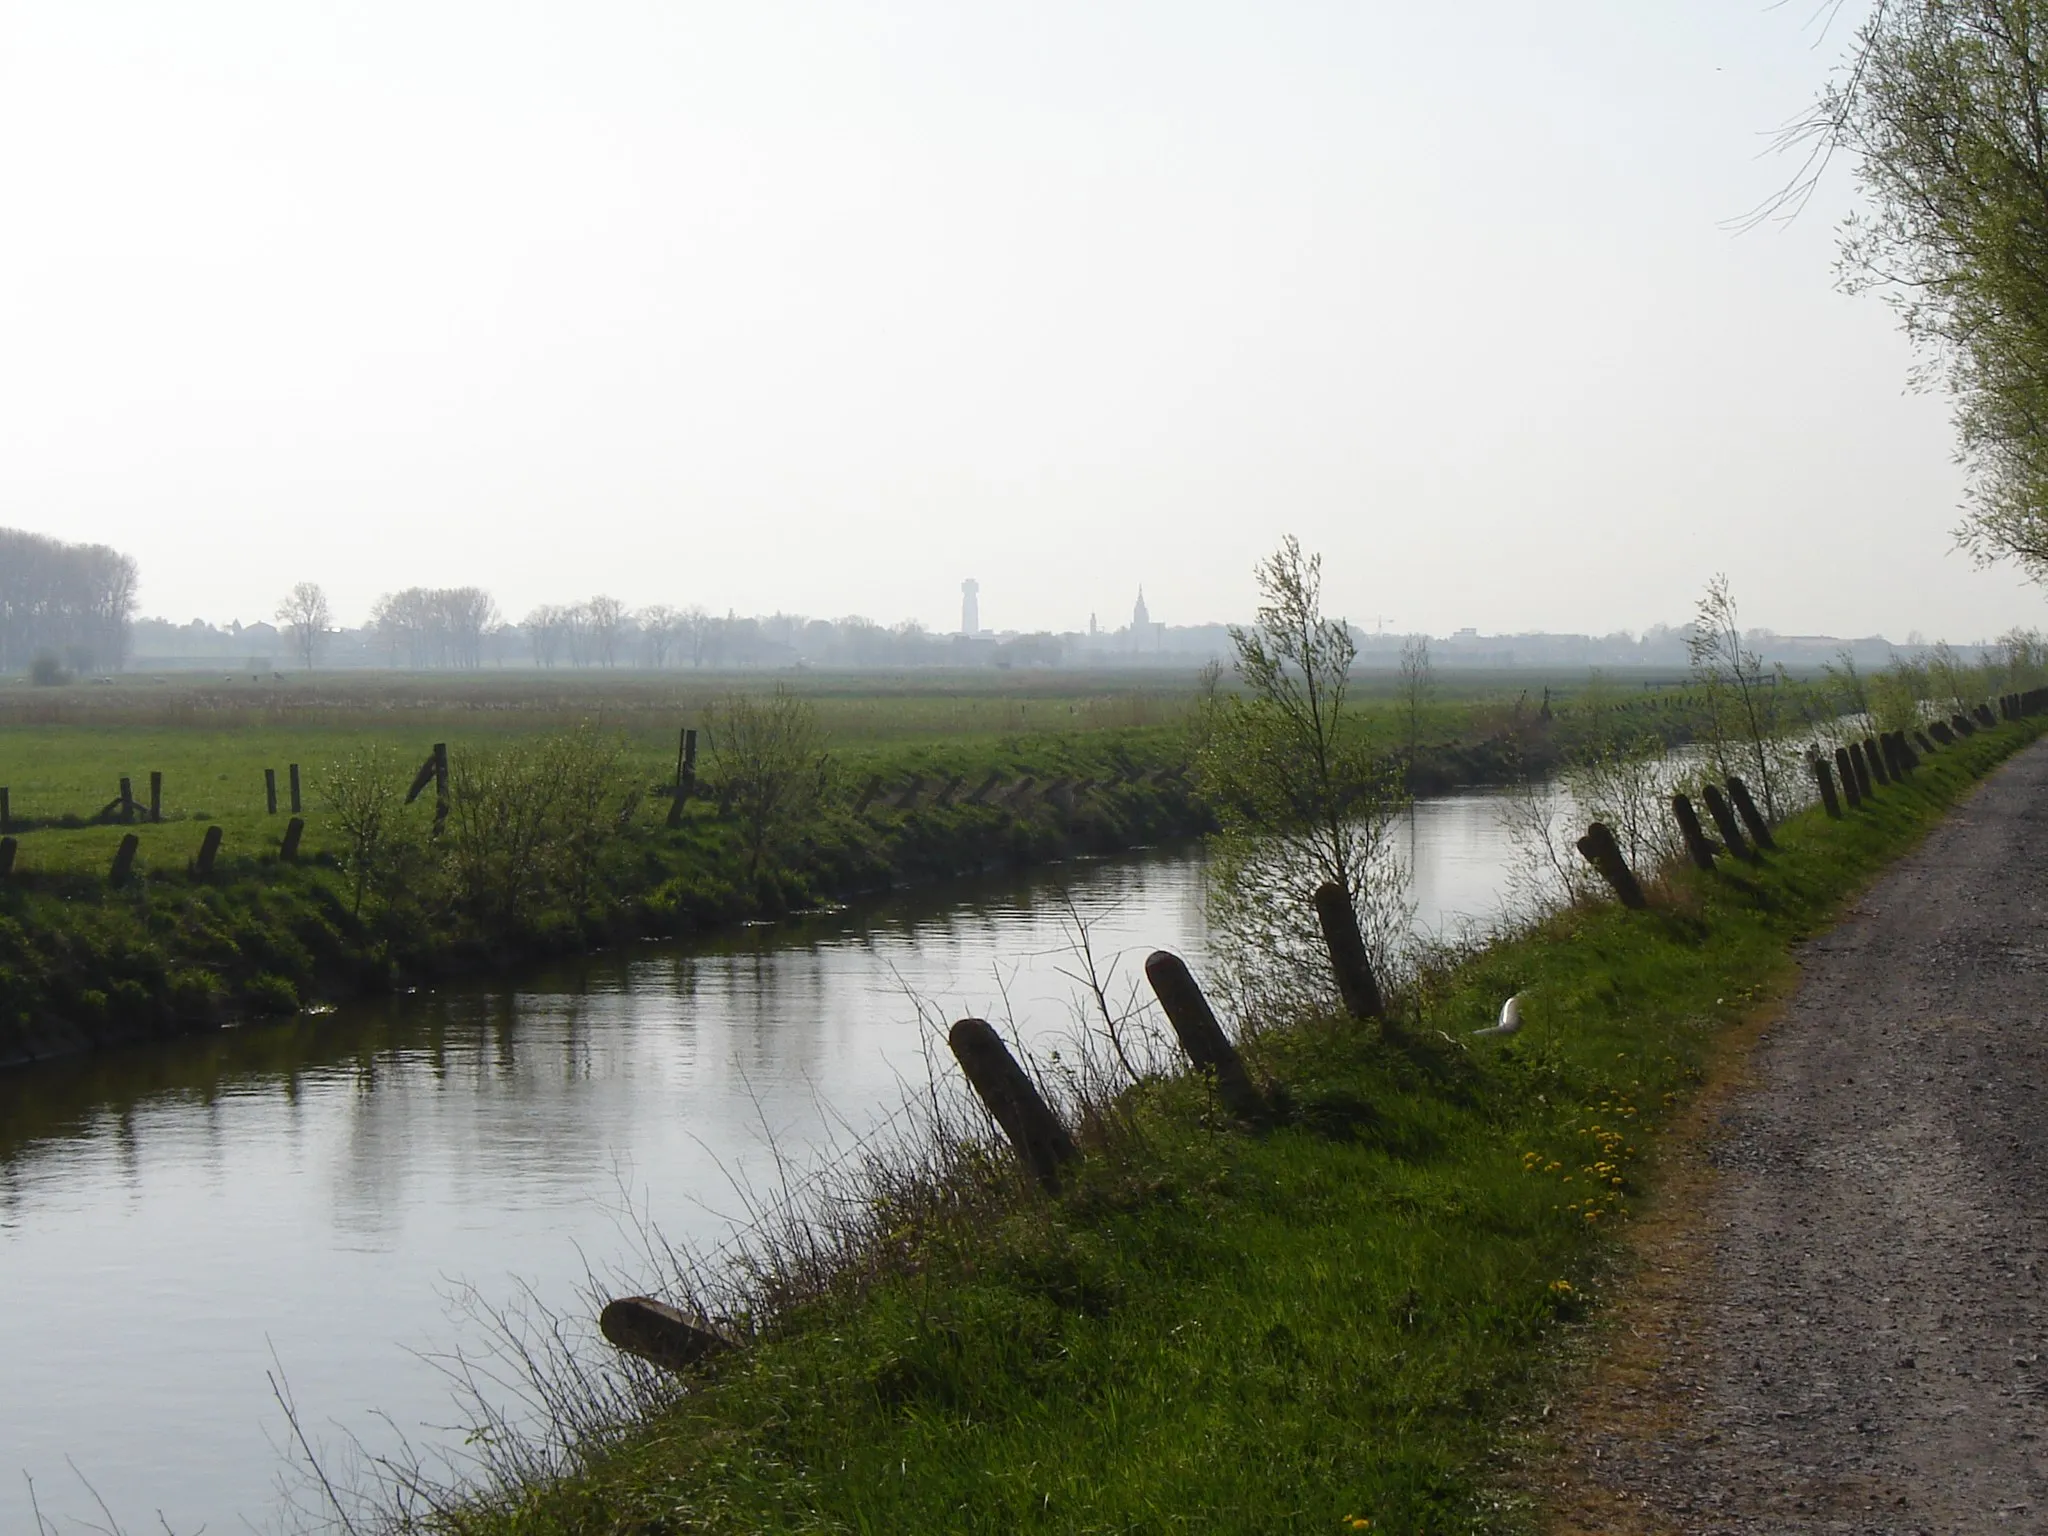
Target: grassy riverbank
{"type": "Point", "coordinates": [1337, 1318]}
{"type": "Point", "coordinates": [1055, 773]}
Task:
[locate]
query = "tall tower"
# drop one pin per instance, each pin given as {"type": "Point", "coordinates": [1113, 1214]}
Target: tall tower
{"type": "Point", "coordinates": [970, 607]}
{"type": "Point", "coordinates": [1140, 616]}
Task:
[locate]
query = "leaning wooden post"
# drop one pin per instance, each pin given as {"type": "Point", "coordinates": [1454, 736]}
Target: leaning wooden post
{"type": "Point", "coordinates": [1861, 767]}
{"type": "Point", "coordinates": [6, 821]}
{"type": "Point", "coordinates": [1846, 772]}
{"type": "Point", "coordinates": [1042, 1143]}
{"type": "Point", "coordinates": [1194, 1025]}
{"type": "Point", "coordinates": [8, 847]}
{"type": "Point", "coordinates": [293, 771]}
{"type": "Point", "coordinates": [657, 1333]}
{"type": "Point", "coordinates": [1696, 842]}
{"type": "Point", "coordinates": [1963, 725]}
{"type": "Point", "coordinates": [1824, 781]}
{"type": "Point", "coordinates": [1759, 829]}
{"type": "Point", "coordinates": [1725, 823]}
{"type": "Point", "coordinates": [209, 850]}
{"type": "Point", "coordinates": [1940, 732]}
{"type": "Point", "coordinates": [127, 800]}
{"type": "Point", "coordinates": [270, 791]}
{"type": "Point", "coordinates": [288, 850]}
{"type": "Point", "coordinates": [1600, 850]}
{"type": "Point", "coordinates": [1872, 756]}
{"type": "Point", "coordinates": [156, 797]}
{"type": "Point", "coordinates": [124, 860]}
{"type": "Point", "coordinates": [873, 788]}
{"type": "Point", "coordinates": [1356, 983]}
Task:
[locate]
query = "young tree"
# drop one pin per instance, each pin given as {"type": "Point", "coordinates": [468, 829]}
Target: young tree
{"type": "Point", "coordinates": [768, 767]}
{"type": "Point", "coordinates": [1742, 722]}
{"type": "Point", "coordinates": [305, 614]}
{"type": "Point", "coordinates": [1300, 797]}
{"type": "Point", "coordinates": [1418, 684]}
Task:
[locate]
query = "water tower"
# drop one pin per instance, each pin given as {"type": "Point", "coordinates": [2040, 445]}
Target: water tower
{"type": "Point", "coordinates": [970, 607]}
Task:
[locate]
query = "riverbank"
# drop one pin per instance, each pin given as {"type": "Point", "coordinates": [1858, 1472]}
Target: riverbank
{"type": "Point", "coordinates": [1343, 1316]}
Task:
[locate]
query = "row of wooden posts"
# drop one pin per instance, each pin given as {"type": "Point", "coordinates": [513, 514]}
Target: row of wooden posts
{"type": "Point", "coordinates": [654, 1331]}
{"type": "Point", "coordinates": [657, 1332]}
{"type": "Point", "coordinates": [123, 868]}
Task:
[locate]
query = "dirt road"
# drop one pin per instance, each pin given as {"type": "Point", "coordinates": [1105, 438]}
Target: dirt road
{"type": "Point", "coordinates": [1850, 1334]}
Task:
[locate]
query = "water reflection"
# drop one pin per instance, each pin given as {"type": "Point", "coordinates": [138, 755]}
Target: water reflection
{"type": "Point", "coordinates": [170, 1216]}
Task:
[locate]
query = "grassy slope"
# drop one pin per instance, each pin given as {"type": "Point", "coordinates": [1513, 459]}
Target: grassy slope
{"type": "Point", "coordinates": [1332, 1320]}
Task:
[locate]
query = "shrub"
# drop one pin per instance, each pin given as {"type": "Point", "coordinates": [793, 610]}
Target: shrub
{"type": "Point", "coordinates": [46, 671]}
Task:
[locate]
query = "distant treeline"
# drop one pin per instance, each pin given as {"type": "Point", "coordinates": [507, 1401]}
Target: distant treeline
{"type": "Point", "coordinates": [65, 605]}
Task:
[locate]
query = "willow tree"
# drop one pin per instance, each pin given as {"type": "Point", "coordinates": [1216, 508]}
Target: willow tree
{"type": "Point", "coordinates": [1300, 795]}
{"type": "Point", "coordinates": [1944, 106]}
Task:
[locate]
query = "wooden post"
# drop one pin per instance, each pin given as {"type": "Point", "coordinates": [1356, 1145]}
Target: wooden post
{"type": "Point", "coordinates": [1962, 724]}
{"type": "Point", "coordinates": [124, 860]}
{"type": "Point", "coordinates": [6, 820]}
{"type": "Point", "coordinates": [1759, 829]}
{"type": "Point", "coordinates": [1983, 716]}
{"type": "Point", "coordinates": [209, 850]}
{"type": "Point", "coordinates": [686, 775]}
{"type": "Point", "coordinates": [987, 785]}
{"type": "Point", "coordinates": [1875, 759]}
{"type": "Point", "coordinates": [1825, 782]}
{"type": "Point", "coordinates": [1940, 732]}
{"type": "Point", "coordinates": [1696, 842]}
{"type": "Point", "coordinates": [440, 786]}
{"type": "Point", "coordinates": [1600, 850]}
{"type": "Point", "coordinates": [156, 797]}
{"type": "Point", "coordinates": [270, 790]}
{"type": "Point", "coordinates": [1846, 772]}
{"type": "Point", "coordinates": [1042, 1143]}
{"type": "Point", "coordinates": [288, 850]}
{"type": "Point", "coordinates": [874, 788]}
{"type": "Point", "coordinates": [1725, 823]}
{"type": "Point", "coordinates": [944, 797]}
{"type": "Point", "coordinates": [1352, 966]}
{"type": "Point", "coordinates": [1194, 1025]}
{"type": "Point", "coordinates": [1861, 767]}
{"type": "Point", "coordinates": [7, 850]}
{"type": "Point", "coordinates": [128, 806]}
{"type": "Point", "coordinates": [293, 771]}
{"type": "Point", "coordinates": [656, 1332]}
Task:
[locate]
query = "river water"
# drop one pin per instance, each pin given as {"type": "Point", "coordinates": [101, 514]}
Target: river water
{"type": "Point", "coordinates": [315, 1198]}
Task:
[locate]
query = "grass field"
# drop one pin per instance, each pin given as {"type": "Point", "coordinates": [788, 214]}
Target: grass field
{"type": "Point", "coordinates": [1343, 1318]}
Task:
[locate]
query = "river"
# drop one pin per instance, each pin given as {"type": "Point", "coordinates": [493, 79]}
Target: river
{"type": "Point", "coordinates": [316, 1197]}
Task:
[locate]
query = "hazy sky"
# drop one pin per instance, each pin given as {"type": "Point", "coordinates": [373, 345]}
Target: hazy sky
{"type": "Point", "coordinates": [823, 307]}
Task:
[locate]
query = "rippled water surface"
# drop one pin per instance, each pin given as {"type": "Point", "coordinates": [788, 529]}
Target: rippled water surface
{"type": "Point", "coordinates": [177, 1223]}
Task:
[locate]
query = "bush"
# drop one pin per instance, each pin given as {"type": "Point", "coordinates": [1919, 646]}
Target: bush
{"type": "Point", "coordinates": [47, 672]}
{"type": "Point", "coordinates": [270, 993]}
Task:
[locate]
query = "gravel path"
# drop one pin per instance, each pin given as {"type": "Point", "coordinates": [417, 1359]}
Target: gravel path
{"type": "Point", "coordinates": [1857, 1336]}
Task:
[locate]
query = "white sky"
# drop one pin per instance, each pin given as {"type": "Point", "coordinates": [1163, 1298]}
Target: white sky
{"type": "Point", "coordinates": [824, 307]}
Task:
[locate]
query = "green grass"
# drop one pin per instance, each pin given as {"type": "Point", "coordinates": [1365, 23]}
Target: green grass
{"type": "Point", "coordinates": [1342, 1315]}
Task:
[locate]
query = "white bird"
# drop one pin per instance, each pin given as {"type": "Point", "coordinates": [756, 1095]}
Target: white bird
{"type": "Point", "coordinates": [1510, 1019]}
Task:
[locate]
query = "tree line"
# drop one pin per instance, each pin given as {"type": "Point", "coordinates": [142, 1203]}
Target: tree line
{"type": "Point", "coordinates": [63, 605]}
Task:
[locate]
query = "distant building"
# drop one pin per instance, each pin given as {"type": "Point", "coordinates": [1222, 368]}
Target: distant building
{"type": "Point", "coordinates": [970, 607]}
{"type": "Point", "coordinates": [1141, 619]}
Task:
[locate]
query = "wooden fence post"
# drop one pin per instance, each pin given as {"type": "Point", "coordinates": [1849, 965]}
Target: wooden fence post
{"type": "Point", "coordinates": [874, 788]}
{"type": "Point", "coordinates": [1861, 767]}
{"type": "Point", "coordinates": [987, 785]}
{"type": "Point", "coordinates": [441, 794]}
{"type": "Point", "coordinates": [1845, 774]}
{"type": "Point", "coordinates": [656, 1332]}
{"type": "Point", "coordinates": [127, 800]}
{"type": "Point", "coordinates": [7, 850]}
{"type": "Point", "coordinates": [293, 771]}
{"type": "Point", "coordinates": [1042, 1143]}
{"type": "Point", "coordinates": [288, 850]}
{"type": "Point", "coordinates": [270, 791]}
{"type": "Point", "coordinates": [124, 860]}
{"type": "Point", "coordinates": [1726, 824]}
{"type": "Point", "coordinates": [1696, 842]}
{"type": "Point", "coordinates": [686, 775]}
{"type": "Point", "coordinates": [1600, 850]}
{"type": "Point", "coordinates": [209, 850]}
{"type": "Point", "coordinates": [1939, 730]}
{"type": "Point", "coordinates": [1985, 718]}
{"type": "Point", "coordinates": [6, 820]}
{"type": "Point", "coordinates": [1875, 759]}
{"type": "Point", "coordinates": [1825, 782]}
{"type": "Point", "coordinates": [1759, 829]}
{"type": "Point", "coordinates": [1352, 966]}
{"type": "Point", "coordinates": [1962, 724]}
{"type": "Point", "coordinates": [1194, 1025]}
{"type": "Point", "coordinates": [156, 797]}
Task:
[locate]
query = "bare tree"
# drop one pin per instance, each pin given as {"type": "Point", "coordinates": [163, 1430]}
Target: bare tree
{"type": "Point", "coordinates": [1418, 684]}
{"type": "Point", "coordinates": [660, 627]}
{"type": "Point", "coordinates": [768, 767]}
{"type": "Point", "coordinates": [305, 614]}
{"type": "Point", "coordinates": [605, 617]}
{"type": "Point", "coordinates": [1742, 723]}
